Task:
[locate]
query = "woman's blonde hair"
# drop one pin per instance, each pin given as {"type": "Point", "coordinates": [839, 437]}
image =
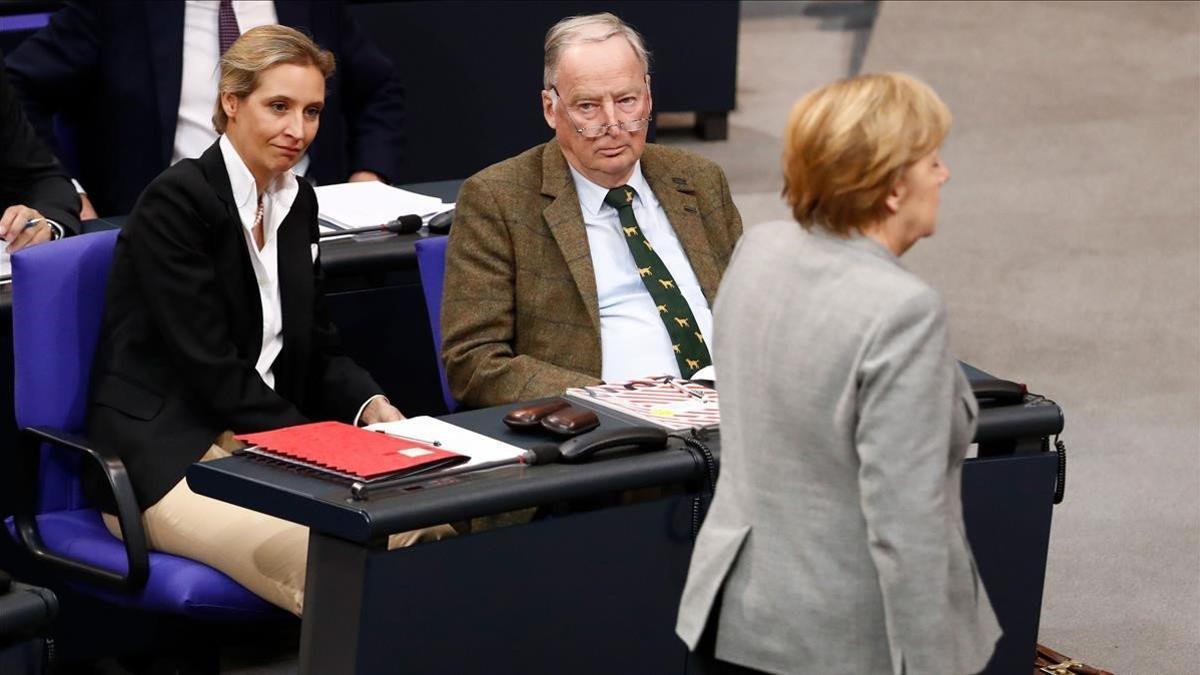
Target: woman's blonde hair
{"type": "Point", "coordinates": [848, 143]}
{"type": "Point", "coordinates": [257, 51]}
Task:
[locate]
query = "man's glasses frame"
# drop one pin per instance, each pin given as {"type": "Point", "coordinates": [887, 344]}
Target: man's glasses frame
{"type": "Point", "coordinates": [601, 129]}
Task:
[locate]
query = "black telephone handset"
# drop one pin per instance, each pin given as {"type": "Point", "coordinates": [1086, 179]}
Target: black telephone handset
{"type": "Point", "coordinates": [992, 393]}
{"type": "Point", "coordinates": [581, 448]}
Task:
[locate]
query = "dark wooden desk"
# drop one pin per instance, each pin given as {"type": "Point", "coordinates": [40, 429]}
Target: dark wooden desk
{"type": "Point", "coordinates": [594, 591]}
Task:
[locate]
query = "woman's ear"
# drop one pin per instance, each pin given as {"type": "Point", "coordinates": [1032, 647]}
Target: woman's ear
{"type": "Point", "coordinates": [896, 195]}
{"type": "Point", "coordinates": [230, 103]}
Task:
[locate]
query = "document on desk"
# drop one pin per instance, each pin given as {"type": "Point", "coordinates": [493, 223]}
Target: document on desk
{"type": "Point", "coordinates": [664, 401]}
{"type": "Point", "coordinates": [348, 452]}
{"type": "Point", "coordinates": [5, 264]}
{"type": "Point", "coordinates": [371, 203]}
{"type": "Point", "coordinates": [426, 429]}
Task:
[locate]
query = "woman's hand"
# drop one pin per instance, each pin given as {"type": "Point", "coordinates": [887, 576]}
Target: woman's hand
{"type": "Point", "coordinates": [380, 410]}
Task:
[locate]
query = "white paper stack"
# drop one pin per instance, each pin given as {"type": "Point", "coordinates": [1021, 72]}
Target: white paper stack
{"type": "Point", "coordinates": [371, 203]}
{"type": "Point", "coordinates": [5, 264]}
{"type": "Point", "coordinates": [478, 447]}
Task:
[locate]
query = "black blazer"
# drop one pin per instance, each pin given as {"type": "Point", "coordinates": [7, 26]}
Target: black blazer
{"type": "Point", "coordinates": [29, 174]}
{"type": "Point", "coordinates": [112, 71]}
{"type": "Point", "coordinates": [183, 329]}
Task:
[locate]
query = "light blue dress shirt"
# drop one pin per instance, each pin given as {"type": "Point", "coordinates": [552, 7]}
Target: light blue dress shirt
{"type": "Point", "coordinates": [633, 340]}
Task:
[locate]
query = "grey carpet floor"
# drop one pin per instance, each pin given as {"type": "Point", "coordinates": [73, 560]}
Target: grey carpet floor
{"type": "Point", "coordinates": [1069, 257]}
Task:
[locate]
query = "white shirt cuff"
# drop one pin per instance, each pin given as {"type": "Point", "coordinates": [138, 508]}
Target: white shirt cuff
{"type": "Point", "coordinates": [78, 187]}
{"type": "Point", "coordinates": [57, 230]}
{"type": "Point", "coordinates": [361, 408]}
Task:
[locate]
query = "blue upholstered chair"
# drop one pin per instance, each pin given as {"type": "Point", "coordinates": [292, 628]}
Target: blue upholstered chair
{"type": "Point", "coordinates": [431, 261]}
{"type": "Point", "coordinates": [58, 304]}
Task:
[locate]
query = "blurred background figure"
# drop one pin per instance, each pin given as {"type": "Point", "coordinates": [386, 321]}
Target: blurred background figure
{"type": "Point", "coordinates": [37, 201]}
{"type": "Point", "coordinates": [133, 83]}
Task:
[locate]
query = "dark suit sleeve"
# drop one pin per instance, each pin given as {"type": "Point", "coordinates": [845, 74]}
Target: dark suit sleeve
{"type": "Point", "coordinates": [479, 312]}
{"type": "Point", "coordinates": [55, 64]}
{"type": "Point", "coordinates": [29, 174]}
{"type": "Point", "coordinates": [340, 386]}
{"type": "Point", "coordinates": [374, 102]}
{"type": "Point", "coordinates": [169, 246]}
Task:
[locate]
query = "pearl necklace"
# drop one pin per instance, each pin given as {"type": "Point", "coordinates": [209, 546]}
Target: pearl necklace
{"type": "Point", "coordinates": [258, 232]}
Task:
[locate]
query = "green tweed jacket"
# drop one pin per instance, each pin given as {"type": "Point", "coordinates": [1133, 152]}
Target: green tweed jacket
{"type": "Point", "coordinates": [520, 317]}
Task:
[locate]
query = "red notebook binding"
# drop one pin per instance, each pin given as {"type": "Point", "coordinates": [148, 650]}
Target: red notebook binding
{"type": "Point", "coordinates": [349, 452]}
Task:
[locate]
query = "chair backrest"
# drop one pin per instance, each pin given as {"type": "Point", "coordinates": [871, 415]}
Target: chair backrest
{"type": "Point", "coordinates": [57, 309]}
{"type": "Point", "coordinates": [431, 261]}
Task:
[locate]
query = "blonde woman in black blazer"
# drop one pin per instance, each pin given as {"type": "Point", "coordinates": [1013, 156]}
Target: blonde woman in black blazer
{"type": "Point", "coordinates": [214, 322]}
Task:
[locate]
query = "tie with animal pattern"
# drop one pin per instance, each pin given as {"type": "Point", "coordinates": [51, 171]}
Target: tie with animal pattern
{"type": "Point", "coordinates": [690, 351]}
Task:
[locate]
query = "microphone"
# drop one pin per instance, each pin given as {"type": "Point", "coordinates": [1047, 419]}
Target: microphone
{"type": "Point", "coordinates": [406, 224]}
{"type": "Point", "coordinates": [545, 453]}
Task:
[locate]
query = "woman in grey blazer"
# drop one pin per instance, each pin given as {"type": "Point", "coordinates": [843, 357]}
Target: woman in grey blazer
{"type": "Point", "coordinates": [835, 542]}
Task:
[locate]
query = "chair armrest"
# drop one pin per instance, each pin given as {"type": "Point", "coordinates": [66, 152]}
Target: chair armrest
{"type": "Point", "coordinates": [128, 513]}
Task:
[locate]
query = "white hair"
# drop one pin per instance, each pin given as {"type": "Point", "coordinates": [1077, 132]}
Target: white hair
{"type": "Point", "coordinates": [579, 29]}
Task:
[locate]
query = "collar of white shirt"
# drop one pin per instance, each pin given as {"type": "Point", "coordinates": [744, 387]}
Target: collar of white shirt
{"type": "Point", "coordinates": [591, 196]}
{"type": "Point", "coordinates": [277, 197]}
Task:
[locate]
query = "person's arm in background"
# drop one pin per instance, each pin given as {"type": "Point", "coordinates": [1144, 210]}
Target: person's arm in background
{"type": "Point", "coordinates": [374, 105]}
{"type": "Point", "coordinates": [51, 67]}
{"type": "Point", "coordinates": [32, 184]}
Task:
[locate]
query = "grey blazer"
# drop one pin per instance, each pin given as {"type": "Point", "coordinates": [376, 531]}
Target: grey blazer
{"type": "Point", "coordinates": [836, 529]}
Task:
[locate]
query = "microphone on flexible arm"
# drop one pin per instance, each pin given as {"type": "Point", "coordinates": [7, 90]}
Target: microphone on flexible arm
{"type": "Point", "coordinates": [406, 224]}
{"type": "Point", "coordinates": [544, 453]}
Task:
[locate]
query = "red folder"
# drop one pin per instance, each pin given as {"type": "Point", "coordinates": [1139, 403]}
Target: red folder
{"type": "Point", "coordinates": [350, 452]}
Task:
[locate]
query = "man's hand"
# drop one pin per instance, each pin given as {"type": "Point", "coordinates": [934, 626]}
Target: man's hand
{"type": "Point", "coordinates": [380, 410]}
{"type": "Point", "coordinates": [86, 211]}
{"type": "Point", "coordinates": [13, 227]}
{"type": "Point", "coordinates": [360, 176]}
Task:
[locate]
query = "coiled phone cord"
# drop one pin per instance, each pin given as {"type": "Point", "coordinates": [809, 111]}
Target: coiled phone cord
{"type": "Point", "coordinates": [1060, 448]}
{"type": "Point", "coordinates": [1060, 482]}
{"type": "Point", "coordinates": [704, 456]}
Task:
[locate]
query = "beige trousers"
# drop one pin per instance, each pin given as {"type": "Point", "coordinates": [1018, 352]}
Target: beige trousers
{"type": "Point", "coordinates": [265, 554]}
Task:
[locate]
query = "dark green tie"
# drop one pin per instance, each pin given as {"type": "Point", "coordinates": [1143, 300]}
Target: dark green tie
{"type": "Point", "coordinates": [690, 351]}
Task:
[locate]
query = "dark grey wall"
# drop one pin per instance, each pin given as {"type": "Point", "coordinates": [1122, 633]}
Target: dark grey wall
{"type": "Point", "coordinates": [473, 70]}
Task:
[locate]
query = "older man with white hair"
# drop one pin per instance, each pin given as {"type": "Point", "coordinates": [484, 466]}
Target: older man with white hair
{"type": "Point", "coordinates": [594, 256]}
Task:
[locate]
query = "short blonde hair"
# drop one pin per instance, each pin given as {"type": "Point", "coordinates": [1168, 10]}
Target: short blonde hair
{"type": "Point", "coordinates": [257, 51]}
{"type": "Point", "coordinates": [577, 30]}
{"type": "Point", "coordinates": [848, 143]}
